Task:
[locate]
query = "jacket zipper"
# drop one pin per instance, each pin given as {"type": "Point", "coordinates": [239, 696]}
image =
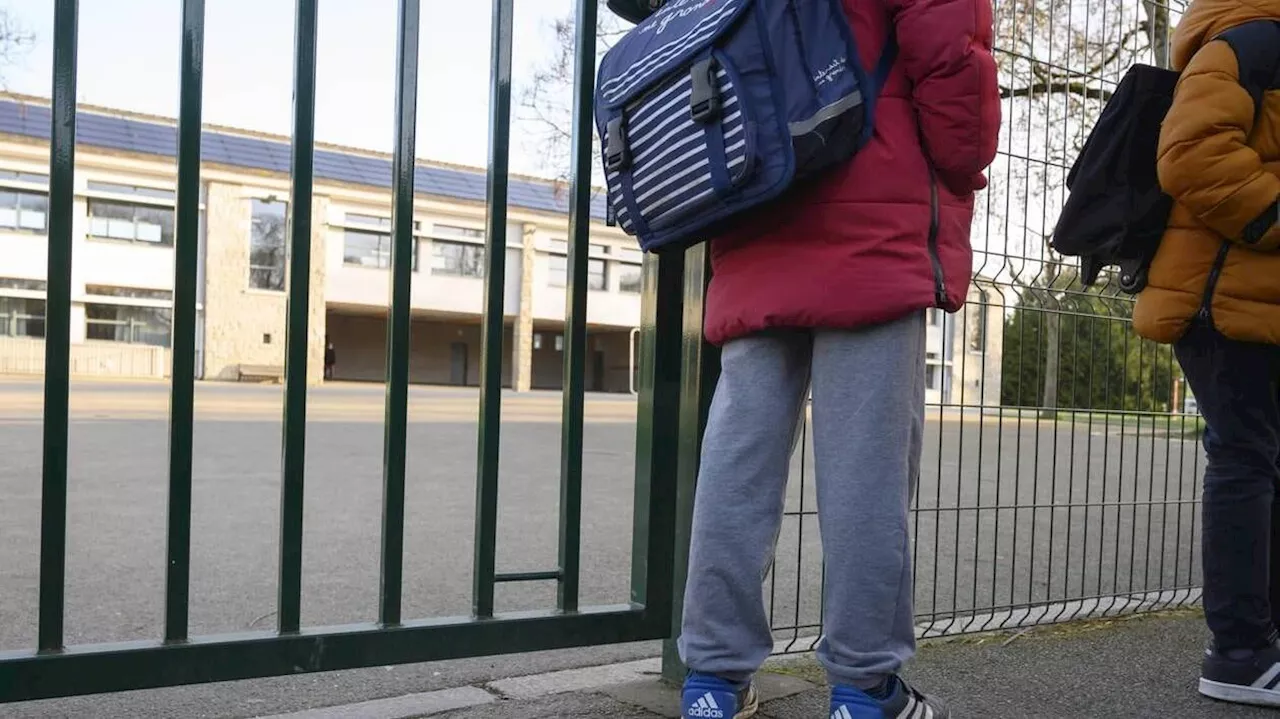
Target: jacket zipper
{"type": "Point", "coordinates": [1211, 285]}
{"type": "Point", "coordinates": [939, 277]}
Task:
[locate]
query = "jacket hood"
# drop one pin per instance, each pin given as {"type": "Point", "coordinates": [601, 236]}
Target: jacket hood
{"type": "Point", "coordinates": [1206, 19]}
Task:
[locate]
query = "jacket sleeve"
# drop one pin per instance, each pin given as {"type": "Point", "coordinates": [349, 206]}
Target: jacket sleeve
{"type": "Point", "coordinates": [945, 50]}
{"type": "Point", "coordinates": [1205, 162]}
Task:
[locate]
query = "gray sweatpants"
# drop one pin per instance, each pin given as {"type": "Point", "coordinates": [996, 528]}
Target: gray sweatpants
{"type": "Point", "coordinates": [868, 417]}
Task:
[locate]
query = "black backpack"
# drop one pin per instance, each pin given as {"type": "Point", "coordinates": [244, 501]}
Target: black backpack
{"type": "Point", "coordinates": [1116, 213]}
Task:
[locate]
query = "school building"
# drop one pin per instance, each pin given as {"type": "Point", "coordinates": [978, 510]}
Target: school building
{"type": "Point", "coordinates": [123, 264]}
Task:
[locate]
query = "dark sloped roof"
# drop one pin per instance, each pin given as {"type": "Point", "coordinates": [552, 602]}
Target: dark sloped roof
{"type": "Point", "coordinates": [155, 138]}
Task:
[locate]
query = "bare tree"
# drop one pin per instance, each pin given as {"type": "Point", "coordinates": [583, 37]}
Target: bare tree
{"type": "Point", "coordinates": [547, 102]}
{"type": "Point", "coordinates": [1059, 61]}
{"type": "Point", "coordinates": [1159, 30]}
{"type": "Point", "coordinates": [15, 41]}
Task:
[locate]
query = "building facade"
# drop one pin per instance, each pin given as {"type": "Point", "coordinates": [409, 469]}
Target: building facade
{"type": "Point", "coordinates": [123, 263]}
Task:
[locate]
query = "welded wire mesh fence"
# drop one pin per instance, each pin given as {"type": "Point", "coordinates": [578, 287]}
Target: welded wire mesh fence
{"type": "Point", "coordinates": [1061, 470]}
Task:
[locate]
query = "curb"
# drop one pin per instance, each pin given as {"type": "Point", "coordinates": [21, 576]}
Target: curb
{"type": "Point", "coordinates": [535, 686]}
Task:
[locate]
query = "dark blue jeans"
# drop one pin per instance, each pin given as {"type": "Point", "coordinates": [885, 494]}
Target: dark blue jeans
{"type": "Point", "coordinates": [1237, 385]}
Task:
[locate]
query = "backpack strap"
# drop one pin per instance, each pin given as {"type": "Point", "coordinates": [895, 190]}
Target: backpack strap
{"type": "Point", "coordinates": [888, 56]}
{"type": "Point", "coordinates": [1257, 48]}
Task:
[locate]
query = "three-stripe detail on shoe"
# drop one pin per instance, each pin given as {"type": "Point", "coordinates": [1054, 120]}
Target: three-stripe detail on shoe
{"type": "Point", "coordinates": [916, 709]}
{"type": "Point", "coordinates": [708, 701]}
{"type": "Point", "coordinates": [1269, 679]}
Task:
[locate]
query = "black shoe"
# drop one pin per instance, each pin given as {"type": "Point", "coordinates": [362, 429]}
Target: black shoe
{"type": "Point", "coordinates": [1243, 676]}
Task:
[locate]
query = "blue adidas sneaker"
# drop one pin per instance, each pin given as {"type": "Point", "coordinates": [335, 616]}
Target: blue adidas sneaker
{"type": "Point", "coordinates": [707, 696]}
{"type": "Point", "coordinates": [902, 702]}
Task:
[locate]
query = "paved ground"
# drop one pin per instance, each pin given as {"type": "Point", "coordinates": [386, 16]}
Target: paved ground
{"type": "Point", "coordinates": [1134, 669]}
{"type": "Point", "coordinates": [1144, 668]}
{"type": "Point", "coordinates": [1013, 511]}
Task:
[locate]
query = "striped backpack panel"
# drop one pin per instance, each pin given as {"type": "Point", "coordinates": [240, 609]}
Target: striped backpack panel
{"type": "Point", "coordinates": [671, 174]}
{"type": "Point", "coordinates": [709, 108]}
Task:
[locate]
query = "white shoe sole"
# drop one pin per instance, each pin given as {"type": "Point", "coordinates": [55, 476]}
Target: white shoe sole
{"type": "Point", "coordinates": [1237, 694]}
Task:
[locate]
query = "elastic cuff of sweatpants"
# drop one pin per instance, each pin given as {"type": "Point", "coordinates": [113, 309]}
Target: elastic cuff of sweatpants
{"type": "Point", "coordinates": [866, 684]}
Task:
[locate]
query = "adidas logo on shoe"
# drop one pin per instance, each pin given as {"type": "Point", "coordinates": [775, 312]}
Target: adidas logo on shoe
{"type": "Point", "coordinates": [841, 713]}
{"type": "Point", "coordinates": [706, 708]}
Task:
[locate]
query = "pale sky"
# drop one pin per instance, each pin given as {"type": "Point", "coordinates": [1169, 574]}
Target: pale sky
{"type": "Point", "coordinates": [128, 59]}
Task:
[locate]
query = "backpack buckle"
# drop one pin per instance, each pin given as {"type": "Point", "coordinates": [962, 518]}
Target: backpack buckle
{"type": "Point", "coordinates": [705, 103]}
{"type": "Point", "coordinates": [617, 156]}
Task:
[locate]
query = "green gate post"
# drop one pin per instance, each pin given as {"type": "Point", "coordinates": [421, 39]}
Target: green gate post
{"type": "Point", "coordinates": [57, 356]}
{"type": "Point", "coordinates": [177, 593]}
{"type": "Point", "coordinates": [298, 279]}
{"type": "Point", "coordinates": [575, 331]}
{"type": "Point", "coordinates": [394, 446]}
{"type": "Point", "coordinates": [484, 574]}
{"type": "Point", "coordinates": [701, 370]}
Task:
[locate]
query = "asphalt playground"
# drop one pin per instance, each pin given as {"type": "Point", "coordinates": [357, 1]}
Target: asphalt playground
{"type": "Point", "coordinates": [1014, 511]}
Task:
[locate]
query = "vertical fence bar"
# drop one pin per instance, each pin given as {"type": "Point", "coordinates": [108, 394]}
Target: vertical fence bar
{"type": "Point", "coordinates": [658, 434]}
{"type": "Point", "coordinates": [701, 363]}
{"type": "Point", "coordinates": [404, 171]}
{"type": "Point", "coordinates": [296, 339]}
{"type": "Point", "coordinates": [486, 544]}
{"type": "Point", "coordinates": [575, 336]}
{"type": "Point", "coordinates": [57, 359]}
{"type": "Point", "coordinates": [186, 258]}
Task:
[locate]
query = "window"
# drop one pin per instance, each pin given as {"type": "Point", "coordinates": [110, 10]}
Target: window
{"type": "Point", "coordinates": [20, 210]}
{"type": "Point", "coordinates": [11, 283]}
{"type": "Point", "coordinates": [630, 278]}
{"type": "Point", "coordinates": [371, 249]}
{"type": "Point", "coordinates": [597, 275]}
{"type": "Point", "coordinates": [629, 255]}
{"type": "Point", "coordinates": [599, 249]}
{"type": "Point", "coordinates": [31, 177]}
{"type": "Point", "coordinates": [933, 377]}
{"type": "Point", "coordinates": [558, 273]}
{"type": "Point", "coordinates": [978, 323]}
{"type": "Point", "coordinates": [937, 317]}
{"type": "Point", "coordinates": [113, 188]}
{"type": "Point", "coordinates": [359, 220]}
{"type": "Point", "coordinates": [366, 249]}
{"type": "Point", "coordinates": [132, 325]}
{"type": "Point", "coordinates": [131, 223]}
{"type": "Point", "coordinates": [21, 317]}
{"type": "Point", "coordinates": [462, 232]}
{"type": "Point", "coordinates": [132, 292]}
{"type": "Point", "coordinates": [267, 246]}
{"type": "Point", "coordinates": [561, 246]}
{"type": "Point", "coordinates": [457, 259]}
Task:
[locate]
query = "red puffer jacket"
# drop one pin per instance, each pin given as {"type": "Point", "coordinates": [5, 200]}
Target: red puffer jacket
{"type": "Point", "coordinates": [888, 233]}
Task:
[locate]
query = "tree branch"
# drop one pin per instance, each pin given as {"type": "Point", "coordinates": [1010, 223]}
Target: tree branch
{"type": "Point", "coordinates": [15, 40]}
{"type": "Point", "coordinates": [1057, 87]}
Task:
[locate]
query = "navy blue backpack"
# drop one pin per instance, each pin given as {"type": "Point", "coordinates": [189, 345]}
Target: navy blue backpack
{"type": "Point", "coordinates": [709, 108]}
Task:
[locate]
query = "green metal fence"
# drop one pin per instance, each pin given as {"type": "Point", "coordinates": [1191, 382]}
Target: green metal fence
{"type": "Point", "coordinates": [666, 438]}
{"type": "Point", "coordinates": [1060, 481]}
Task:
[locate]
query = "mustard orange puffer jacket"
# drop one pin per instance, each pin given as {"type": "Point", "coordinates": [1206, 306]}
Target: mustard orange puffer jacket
{"type": "Point", "coordinates": [1218, 260]}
